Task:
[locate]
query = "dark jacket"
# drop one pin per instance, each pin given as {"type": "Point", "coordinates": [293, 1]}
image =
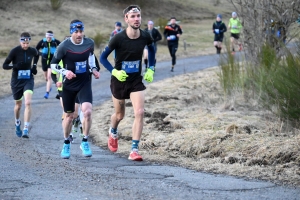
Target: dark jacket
{"type": "Point", "coordinates": [170, 30]}
{"type": "Point", "coordinates": [155, 34]}
{"type": "Point", "coordinates": [45, 48]}
{"type": "Point", "coordinates": [221, 26]}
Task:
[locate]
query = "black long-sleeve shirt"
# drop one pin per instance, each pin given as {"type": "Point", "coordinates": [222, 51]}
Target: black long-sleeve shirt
{"type": "Point", "coordinates": [172, 30]}
{"type": "Point", "coordinates": [221, 26]}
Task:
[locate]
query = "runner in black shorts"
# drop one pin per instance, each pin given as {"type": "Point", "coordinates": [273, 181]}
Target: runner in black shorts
{"type": "Point", "coordinates": [48, 46]}
{"type": "Point", "coordinates": [22, 81]}
{"type": "Point", "coordinates": [126, 79]}
{"type": "Point", "coordinates": [219, 28]}
{"type": "Point", "coordinates": [77, 54]}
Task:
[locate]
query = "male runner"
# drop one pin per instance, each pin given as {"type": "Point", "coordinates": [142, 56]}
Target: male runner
{"type": "Point", "coordinates": [126, 79]}
{"type": "Point", "coordinates": [48, 45]}
{"type": "Point", "coordinates": [235, 27]}
{"type": "Point", "coordinates": [219, 28]}
{"type": "Point", "coordinates": [22, 81]}
{"type": "Point", "coordinates": [172, 33]}
{"type": "Point", "coordinates": [156, 37]}
{"type": "Point", "coordinates": [77, 54]}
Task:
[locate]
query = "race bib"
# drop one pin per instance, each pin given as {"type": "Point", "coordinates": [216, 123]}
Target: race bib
{"type": "Point", "coordinates": [131, 66]}
{"type": "Point", "coordinates": [80, 67]}
{"type": "Point", "coordinates": [217, 31]}
{"type": "Point", "coordinates": [24, 74]}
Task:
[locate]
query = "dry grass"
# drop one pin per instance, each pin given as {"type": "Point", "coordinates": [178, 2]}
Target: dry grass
{"type": "Point", "coordinates": [188, 125]}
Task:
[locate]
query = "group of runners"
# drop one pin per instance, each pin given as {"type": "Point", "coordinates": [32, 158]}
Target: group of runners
{"type": "Point", "coordinates": [219, 28]}
{"type": "Point", "coordinates": [74, 61]}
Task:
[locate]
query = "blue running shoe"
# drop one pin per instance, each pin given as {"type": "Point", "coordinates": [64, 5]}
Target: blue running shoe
{"type": "Point", "coordinates": [65, 152]}
{"type": "Point", "coordinates": [18, 130]}
{"type": "Point", "coordinates": [86, 150]}
{"type": "Point", "coordinates": [46, 96]}
{"type": "Point", "coordinates": [25, 133]}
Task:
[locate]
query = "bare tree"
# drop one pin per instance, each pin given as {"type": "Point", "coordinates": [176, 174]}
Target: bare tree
{"type": "Point", "coordinates": [266, 21]}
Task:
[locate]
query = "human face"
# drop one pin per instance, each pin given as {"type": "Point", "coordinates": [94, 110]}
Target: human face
{"type": "Point", "coordinates": [218, 19]}
{"type": "Point", "coordinates": [118, 27]}
{"type": "Point", "coordinates": [77, 36]}
{"type": "Point", "coordinates": [24, 45]}
{"type": "Point", "coordinates": [48, 39]}
{"type": "Point", "coordinates": [173, 22]}
{"type": "Point", "coordinates": [133, 20]}
{"type": "Point", "coordinates": [150, 26]}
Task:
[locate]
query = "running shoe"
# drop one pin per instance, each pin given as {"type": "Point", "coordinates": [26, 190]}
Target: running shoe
{"type": "Point", "coordinates": [172, 69]}
{"type": "Point", "coordinates": [65, 152]}
{"type": "Point", "coordinates": [18, 130]}
{"type": "Point", "coordinates": [25, 133]}
{"type": "Point", "coordinates": [135, 156]}
{"type": "Point", "coordinates": [46, 96]}
{"type": "Point", "coordinates": [112, 142]}
{"type": "Point", "coordinates": [86, 150]}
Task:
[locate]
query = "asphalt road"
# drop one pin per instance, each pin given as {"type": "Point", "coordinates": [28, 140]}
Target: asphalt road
{"type": "Point", "coordinates": [32, 168]}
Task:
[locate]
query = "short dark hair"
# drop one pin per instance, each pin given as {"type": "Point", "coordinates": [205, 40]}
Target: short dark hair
{"type": "Point", "coordinates": [75, 20]}
{"type": "Point", "coordinates": [125, 11]}
{"type": "Point", "coordinates": [25, 34]}
{"type": "Point", "coordinates": [173, 18]}
{"type": "Point", "coordinates": [50, 32]}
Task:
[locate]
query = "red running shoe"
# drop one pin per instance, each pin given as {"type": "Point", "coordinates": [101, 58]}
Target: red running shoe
{"type": "Point", "coordinates": [135, 156]}
{"type": "Point", "coordinates": [112, 143]}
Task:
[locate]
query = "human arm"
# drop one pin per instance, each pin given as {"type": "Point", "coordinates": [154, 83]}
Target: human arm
{"type": "Point", "coordinates": [158, 36]}
{"type": "Point", "coordinates": [92, 64]}
{"type": "Point", "coordinates": [179, 32]}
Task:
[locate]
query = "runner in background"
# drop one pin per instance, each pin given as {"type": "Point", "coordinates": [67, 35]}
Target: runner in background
{"type": "Point", "coordinates": [22, 81]}
{"type": "Point", "coordinates": [155, 34]}
{"type": "Point", "coordinates": [48, 46]}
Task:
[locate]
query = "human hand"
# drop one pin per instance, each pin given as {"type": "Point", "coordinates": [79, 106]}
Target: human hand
{"type": "Point", "coordinates": [149, 75]}
{"type": "Point", "coordinates": [119, 74]}
{"type": "Point", "coordinates": [58, 84]}
{"type": "Point", "coordinates": [70, 75]}
{"type": "Point", "coordinates": [96, 74]}
{"type": "Point", "coordinates": [34, 69]}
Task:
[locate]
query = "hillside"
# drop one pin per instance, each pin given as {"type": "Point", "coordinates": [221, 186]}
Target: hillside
{"type": "Point", "coordinates": [36, 16]}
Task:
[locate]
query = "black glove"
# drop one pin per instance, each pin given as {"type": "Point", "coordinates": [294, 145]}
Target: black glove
{"type": "Point", "coordinates": [21, 66]}
{"type": "Point", "coordinates": [33, 69]}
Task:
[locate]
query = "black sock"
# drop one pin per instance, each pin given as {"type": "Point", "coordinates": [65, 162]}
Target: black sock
{"type": "Point", "coordinates": [84, 140]}
{"type": "Point", "coordinates": [67, 141]}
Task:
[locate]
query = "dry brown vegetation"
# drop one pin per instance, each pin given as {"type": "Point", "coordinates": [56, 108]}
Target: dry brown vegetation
{"type": "Point", "coordinates": [190, 125]}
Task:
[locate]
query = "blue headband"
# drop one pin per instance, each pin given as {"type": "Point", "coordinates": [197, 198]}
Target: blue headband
{"type": "Point", "coordinates": [76, 26]}
{"type": "Point", "coordinates": [25, 39]}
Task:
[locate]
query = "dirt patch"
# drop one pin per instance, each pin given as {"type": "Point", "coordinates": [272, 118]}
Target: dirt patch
{"type": "Point", "coordinates": [187, 124]}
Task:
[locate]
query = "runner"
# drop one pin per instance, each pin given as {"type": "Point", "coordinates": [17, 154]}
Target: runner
{"type": "Point", "coordinates": [78, 57]}
{"type": "Point", "coordinates": [156, 37]}
{"type": "Point", "coordinates": [118, 29]}
{"type": "Point", "coordinates": [219, 28]}
{"type": "Point", "coordinates": [172, 33]}
{"type": "Point", "coordinates": [22, 81]}
{"type": "Point", "coordinates": [48, 45]}
{"type": "Point", "coordinates": [126, 79]}
{"type": "Point", "coordinates": [235, 27]}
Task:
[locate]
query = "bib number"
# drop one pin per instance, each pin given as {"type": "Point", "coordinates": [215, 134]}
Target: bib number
{"type": "Point", "coordinates": [131, 66]}
{"type": "Point", "coordinates": [24, 74]}
{"type": "Point", "coordinates": [80, 67]}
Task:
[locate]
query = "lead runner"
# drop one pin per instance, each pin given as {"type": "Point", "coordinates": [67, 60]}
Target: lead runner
{"type": "Point", "coordinates": [126, 79]}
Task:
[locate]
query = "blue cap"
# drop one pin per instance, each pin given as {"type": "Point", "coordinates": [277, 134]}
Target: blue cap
{"type": "Point", "coordinates": [118, 24]}
{"type": "Point", "coordinates": [219, 15]}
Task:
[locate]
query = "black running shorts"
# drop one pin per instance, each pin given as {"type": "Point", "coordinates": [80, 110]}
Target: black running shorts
{"type": "Point", "coordinates": [45, 66]}
{"type": "Point", "coordinates": [18, 89]}
{"type": "Point", "coordinates": [235, 35]}
{"type": "Point", "coordinates": [218, 38]}
{"type": "Point", "coordinates": [121, 90]}
{"type": "Point", "coordinates": [69, 97]}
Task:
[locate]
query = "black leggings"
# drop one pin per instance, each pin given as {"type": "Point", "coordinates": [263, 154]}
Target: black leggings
{"type": "Point", "coordinates": [172, 49]}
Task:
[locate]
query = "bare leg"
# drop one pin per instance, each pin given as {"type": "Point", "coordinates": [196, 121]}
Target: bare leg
{"type": "Point", "coordinates": [137, 99]}
{"type": "Point", "coordinates": [27, 112]}
{"type": "Point", "coordinates": [49, 80]}
{"type": "Point", "coordinates": [86, 109]}
{"type": "Point", "coordinates": [119, 106]}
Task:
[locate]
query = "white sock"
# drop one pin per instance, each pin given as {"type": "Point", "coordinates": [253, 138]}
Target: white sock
{"type": "Point", "coordinates": [26, 125]}
{"type": "Point", "coordinates": [17, 121]}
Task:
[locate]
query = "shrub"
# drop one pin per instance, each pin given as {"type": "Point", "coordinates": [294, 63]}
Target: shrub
{"type": "Point", "coordinates": [56, 4]}
{"type": "Point", "coordinates": [99, 39]}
